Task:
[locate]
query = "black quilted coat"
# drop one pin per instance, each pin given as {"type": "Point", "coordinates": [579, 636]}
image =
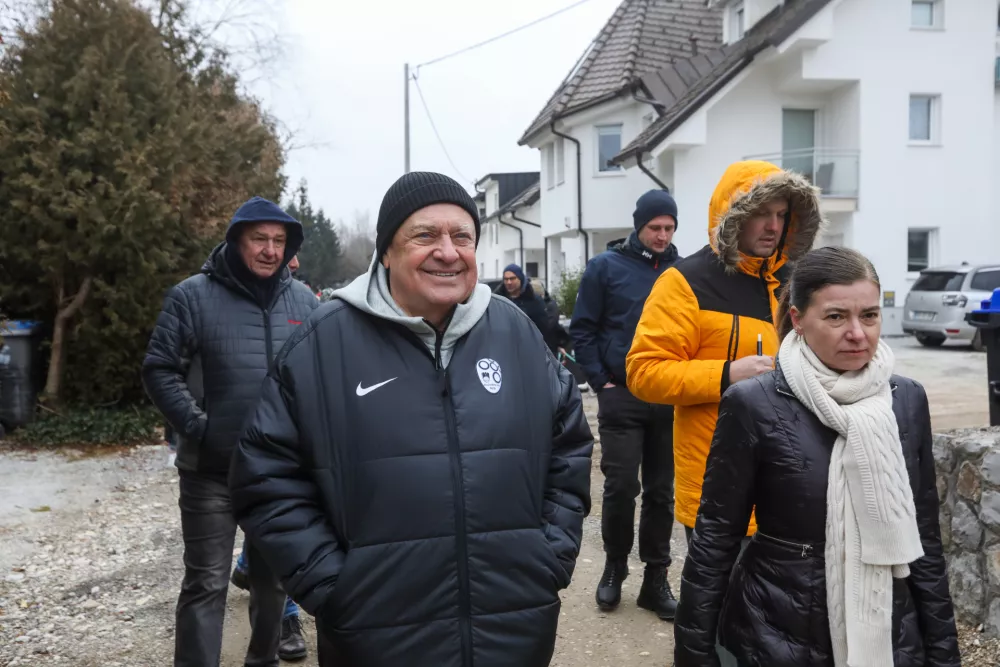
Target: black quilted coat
{"type": "Point", "coordinates": [210, 351]}
{"type": "Point", "coordinates": [771, 452]}
{"type": "Point", "coordinates": [428, 516]}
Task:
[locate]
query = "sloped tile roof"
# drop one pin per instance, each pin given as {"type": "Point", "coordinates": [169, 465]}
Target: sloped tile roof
{"type": "Point", "coordinates": [527, 197]}
{"type": "Point", "coordinates": [683, 87]}
{"type": "Point", "coordinates": [641, 36]}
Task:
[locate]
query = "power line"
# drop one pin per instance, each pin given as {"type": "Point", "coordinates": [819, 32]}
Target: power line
{"type": "Point", "coordinates": [437, 134]}
{"type": "Point", "coordinates": [506, 34]}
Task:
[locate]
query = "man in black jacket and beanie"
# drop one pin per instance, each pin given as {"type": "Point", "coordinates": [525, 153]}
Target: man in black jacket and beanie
{"type": "Point", "coordinates": [214, 340]}
{"type": "Point", "coordinates": [518, 289]}
{"type": "Point", "coordinates": [636, 437]}
{"type": "Point", "coordinates": [418, 469]}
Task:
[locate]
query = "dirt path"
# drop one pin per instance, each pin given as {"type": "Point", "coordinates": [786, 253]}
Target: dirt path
{"type": "Point", "coordinates": [90, 552]}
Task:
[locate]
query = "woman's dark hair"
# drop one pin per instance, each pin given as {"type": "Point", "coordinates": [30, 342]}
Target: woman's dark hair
{"type": "Point", "coordinates": [817, 269]}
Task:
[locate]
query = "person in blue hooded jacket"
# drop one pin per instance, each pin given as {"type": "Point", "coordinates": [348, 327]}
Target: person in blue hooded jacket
{"type": "Point", "coordinates": [213, 343]}
{"type": "Point", "coordinates": [636, 437]}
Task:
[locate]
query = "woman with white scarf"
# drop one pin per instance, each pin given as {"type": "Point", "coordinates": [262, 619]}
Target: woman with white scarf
{"type": "Point", "coordinates": [833, 453]}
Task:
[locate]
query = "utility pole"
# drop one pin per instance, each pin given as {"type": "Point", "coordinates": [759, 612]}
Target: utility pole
{"type": "Point", "coordinates": [406, 119]}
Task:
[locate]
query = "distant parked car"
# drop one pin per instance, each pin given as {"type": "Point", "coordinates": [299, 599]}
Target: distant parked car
{"type": "Point", "coordinates": [937, 303]}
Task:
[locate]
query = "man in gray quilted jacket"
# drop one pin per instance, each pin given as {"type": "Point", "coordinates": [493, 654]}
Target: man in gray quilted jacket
{"type": "Point", "coordinates": [214, 340]}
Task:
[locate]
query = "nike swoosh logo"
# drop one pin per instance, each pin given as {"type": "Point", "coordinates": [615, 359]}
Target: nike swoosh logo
{"type": "Point", "coordinates": [361, 391]}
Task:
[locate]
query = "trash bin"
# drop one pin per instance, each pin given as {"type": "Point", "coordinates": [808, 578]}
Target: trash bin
{"type": "Point", "coordinates": [987, 320]}
{"type": "Point", "coordinates": [18, 370]}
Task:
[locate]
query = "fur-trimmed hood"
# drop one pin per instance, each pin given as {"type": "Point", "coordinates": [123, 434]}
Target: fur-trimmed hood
{"type": "Point", "coordinates": [743, 189]}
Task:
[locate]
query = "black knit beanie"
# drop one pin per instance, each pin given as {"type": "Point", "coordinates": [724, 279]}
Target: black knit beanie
{"type": "Point", "coordinates": [412, 192]}
{"type": "Point", "coordinates": [653, 204]}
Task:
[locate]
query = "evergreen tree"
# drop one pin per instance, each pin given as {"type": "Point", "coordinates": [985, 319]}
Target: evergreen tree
{"type": "Point", "coordinates": [320, 256]}
{"type": "Point", "coordinates": [124, 149]}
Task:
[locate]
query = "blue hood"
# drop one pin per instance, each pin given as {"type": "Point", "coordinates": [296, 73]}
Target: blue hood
{"type": "Point", "coordinates": [258, 209]}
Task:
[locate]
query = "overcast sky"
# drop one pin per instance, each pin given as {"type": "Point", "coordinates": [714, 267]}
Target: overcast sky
{"type": "Point", "coordinates": [340, 87]}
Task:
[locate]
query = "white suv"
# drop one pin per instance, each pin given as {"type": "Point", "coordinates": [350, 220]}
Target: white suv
{"type": "Point", "coordinates": [937, 303]}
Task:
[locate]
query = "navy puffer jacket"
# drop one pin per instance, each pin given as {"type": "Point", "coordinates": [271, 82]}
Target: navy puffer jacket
{"type": "Point", "coordinates": [426, 515]}
{"type": "Point", "coordinates": [212, 346]}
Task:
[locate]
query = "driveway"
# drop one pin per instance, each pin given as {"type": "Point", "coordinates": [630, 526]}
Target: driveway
{"type": "Point", "coordinates": [955, 380]}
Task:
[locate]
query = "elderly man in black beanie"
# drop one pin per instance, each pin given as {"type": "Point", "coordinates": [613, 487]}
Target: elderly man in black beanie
{"type": "Point", "coordinates": [636, 437]}
{"type": "Point", "coordinates": [418, 469]}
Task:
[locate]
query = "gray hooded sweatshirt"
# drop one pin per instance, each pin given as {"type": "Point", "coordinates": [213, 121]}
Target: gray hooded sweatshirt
{"type": "Point", "coordinates": [370, 293]}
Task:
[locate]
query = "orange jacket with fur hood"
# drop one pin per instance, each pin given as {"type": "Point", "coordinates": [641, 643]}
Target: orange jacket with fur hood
{"type": "Point", "coordinates": [707, 310]}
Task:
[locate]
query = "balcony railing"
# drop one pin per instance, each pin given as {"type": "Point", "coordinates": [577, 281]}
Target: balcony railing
{"type": "Point", "coordinates": [833, 170]}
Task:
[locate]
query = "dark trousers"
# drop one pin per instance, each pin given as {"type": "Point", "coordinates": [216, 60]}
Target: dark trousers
{"type": "Point", "coordinates": [209, 531]}
{"type": "Point", "coordinates": [637, 439]}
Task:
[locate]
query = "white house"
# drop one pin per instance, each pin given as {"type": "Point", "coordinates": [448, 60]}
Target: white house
{"type": "Point", "coordinates": [890, 107]}
{"type": "Point", "coordinates": [511, 225]}
{"type": "Point", "coordinates": [586, 200]}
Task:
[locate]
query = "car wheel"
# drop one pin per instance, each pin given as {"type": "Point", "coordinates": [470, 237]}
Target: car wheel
{"type": "Point", "coordinates": [928, 340]}
{"type": "Point", "coordinates": [977, 342]}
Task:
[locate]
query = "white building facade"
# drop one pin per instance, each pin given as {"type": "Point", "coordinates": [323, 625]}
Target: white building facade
{"type": "Point", "coordinates": [511, 231]}
{"type": "Point", "coordinates": [890, 107]}
{"type": "Point", "coordinates": [586, 200]}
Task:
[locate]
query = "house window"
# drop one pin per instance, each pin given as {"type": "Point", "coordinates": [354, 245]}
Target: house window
{"type": "Point", "coordinates": [560, 149]}
{"type": "Point", "coordinates": [919, 249]}
{"type": "Point", "coordinates": [926, 14]}
{"type": "Point", "coordinates": [925, 112]}
{"type": "Point", "coordinates": [737, 22]}
{"type": "Point", "coordinates": [531, 268]}
{"type": "Point", "coordinates": [550, 167]}
{"type": "Point", "coordinates": [609, 144]}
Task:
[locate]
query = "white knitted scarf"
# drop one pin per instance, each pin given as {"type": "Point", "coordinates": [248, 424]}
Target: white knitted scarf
{"type": "Point", "coordinates": [871, 523]}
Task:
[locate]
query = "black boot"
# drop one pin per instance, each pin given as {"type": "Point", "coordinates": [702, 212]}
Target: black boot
{"type": "Point", "coordinates": [293, 645]}
{"type": "Point", "coordinates": [655, 594]}
{"type": "Point", "coordinates": [239, 579]}
{"type": "Point", "coordinates": [609, 591]}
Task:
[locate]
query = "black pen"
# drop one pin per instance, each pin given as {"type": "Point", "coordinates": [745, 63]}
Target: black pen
{"type": "Point", "coordinates": [760, 345]}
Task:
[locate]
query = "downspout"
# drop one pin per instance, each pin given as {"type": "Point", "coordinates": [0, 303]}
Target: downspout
{"type": "Point", "coordinates": [527, 222]}
{"type": "Point", "coordinates": [638, 158]}
{"type": "Point", "coordinates": [545, 240]}
{"type": "Point", "coordinates": [579, 191]}
{"type": "Point", "coordinates": [643, 169]}
{"type": "Point", "coordinates": [533, 224]}
{"type": "Point", "coordinates": [520, 234]}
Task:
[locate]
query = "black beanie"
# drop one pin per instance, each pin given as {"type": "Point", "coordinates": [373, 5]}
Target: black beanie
{"type": "Point", "coordinates": [653, 204]}
{"type": "Point", "coordinates": [412, 192]}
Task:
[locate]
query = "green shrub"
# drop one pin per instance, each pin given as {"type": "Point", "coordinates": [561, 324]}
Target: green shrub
{"type": "Point", "coordinates": [569, 285]}
{"type": "Point", "coordinates": [92, 426]}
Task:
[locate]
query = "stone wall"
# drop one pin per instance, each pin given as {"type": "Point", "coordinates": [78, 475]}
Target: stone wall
{"type": "Point", "coordinates": [968, 477]}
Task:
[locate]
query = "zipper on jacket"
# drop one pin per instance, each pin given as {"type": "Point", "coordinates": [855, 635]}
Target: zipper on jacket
{"type": "Point", "coordinates": [734, 339]}
{"type": "Point", "coordinates": [458, 493]}
{"type": "Point", "coordinates": [767, 292]}
{"type": "Point", "coordinates": [268, 344]}
{"type": "Point", "coordinates": [805, 548]}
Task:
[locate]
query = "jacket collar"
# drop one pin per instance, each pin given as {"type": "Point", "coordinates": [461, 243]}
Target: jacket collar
{"type": "Point", "coordinates": [632, 246]}
{"type": "Point", "coordinates": [782, 387]}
